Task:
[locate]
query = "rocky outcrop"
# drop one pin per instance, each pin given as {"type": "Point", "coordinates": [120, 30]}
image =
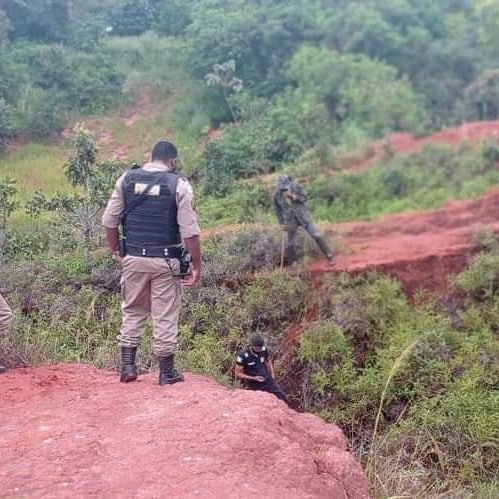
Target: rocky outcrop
{"type": "Point", "coordinates": [74, 431]}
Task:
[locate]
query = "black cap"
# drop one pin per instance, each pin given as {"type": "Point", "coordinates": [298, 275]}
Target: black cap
{"type": "Point", "coordinates": [257, 341]}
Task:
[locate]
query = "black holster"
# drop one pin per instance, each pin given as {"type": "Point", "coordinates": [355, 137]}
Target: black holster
{"type": "Point", "coordinates": [122, 247]}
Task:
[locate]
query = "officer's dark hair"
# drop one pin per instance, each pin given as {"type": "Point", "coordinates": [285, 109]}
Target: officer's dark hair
{"type": "Point", "coordinates": [257, 341]}
{"type": "Point", "coordinates": [164, 151]}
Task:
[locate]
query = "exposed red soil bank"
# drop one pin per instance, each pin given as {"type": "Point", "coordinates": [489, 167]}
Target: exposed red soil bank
{"type": "Point", "coordinates": [406, 143]}
{"type": "Point", "coordinates": [73, 431]}
{"type": "Point", "coordinates": [421, 249]}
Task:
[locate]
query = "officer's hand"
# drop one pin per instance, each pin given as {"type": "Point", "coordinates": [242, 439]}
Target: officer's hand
{"type": "Point", "coordinates": [118, 258]}
{"type": "Point", "coordinates": [260, 379]}
{"type": "Point", "coordinates": [192, 279]}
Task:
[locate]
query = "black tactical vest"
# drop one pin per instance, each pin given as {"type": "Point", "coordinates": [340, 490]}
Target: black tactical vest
{"type": "Point", "coordinates": [150, 219]}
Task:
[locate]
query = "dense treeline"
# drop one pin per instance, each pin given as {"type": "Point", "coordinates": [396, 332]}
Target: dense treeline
{"type": "Point", "coordinates": [295, 75]}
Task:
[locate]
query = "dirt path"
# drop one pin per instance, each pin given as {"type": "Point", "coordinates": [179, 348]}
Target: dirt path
{"type": "Point", "coordinates": [421, 249]}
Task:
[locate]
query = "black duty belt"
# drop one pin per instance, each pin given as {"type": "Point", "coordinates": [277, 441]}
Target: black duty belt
{"type": "Point", "coordinates": [156, 252]}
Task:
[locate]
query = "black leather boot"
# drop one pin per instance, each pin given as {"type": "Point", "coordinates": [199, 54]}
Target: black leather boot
{"type": "Point", "coordinates": [321, 242]}
{"type": "Point", "coordinates": [128, 367]}
{"type": "Point", "coordinates": [291, 255]}
{"type": "Point", "coordinates": [167, 372]}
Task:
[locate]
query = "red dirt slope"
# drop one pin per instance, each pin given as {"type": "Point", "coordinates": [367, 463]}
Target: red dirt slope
{"type": "Point", "coordinates": [421, 249]}
{"type": "Point", "coordinates": [405, 143]}
{"type": "Point", "coordinates": [75, 432]}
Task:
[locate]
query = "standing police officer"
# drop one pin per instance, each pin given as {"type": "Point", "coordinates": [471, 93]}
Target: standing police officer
{"type": "Point", "coordinates": [5, 319]}
{"type": "Point", "coordinates": [155, 208]}
{"type": "Point", "coordinates": [290, 203]}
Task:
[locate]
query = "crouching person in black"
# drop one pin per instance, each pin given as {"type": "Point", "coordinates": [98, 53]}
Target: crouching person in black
{"type": "Point", "coordinates": [254, 367]}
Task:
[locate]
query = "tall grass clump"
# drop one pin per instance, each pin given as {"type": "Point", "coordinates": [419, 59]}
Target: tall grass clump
{"type": "Point", "coordinates": [423, 180]}
{"type": "Point", "coordinates": [414, 386]}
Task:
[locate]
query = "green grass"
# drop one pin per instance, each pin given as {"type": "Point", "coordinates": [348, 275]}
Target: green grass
{"type": "Point", "coordinates": [137, 139]}
{"type": "Point", "coordinates": [36, 167]}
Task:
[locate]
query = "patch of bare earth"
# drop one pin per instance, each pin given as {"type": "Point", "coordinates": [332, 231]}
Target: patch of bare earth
{"type": "Point", "coordinates": [72, 431]}
{"type": "Point", "coordinates": [405, 143]}
{"type": "Point", "coordinates": [143, 108]}
{"type": "Point", "coordinates": [420, 249]}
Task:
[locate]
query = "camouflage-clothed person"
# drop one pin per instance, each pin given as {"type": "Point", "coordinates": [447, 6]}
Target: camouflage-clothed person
{"type": "Point", "coordinates": [290, 203]}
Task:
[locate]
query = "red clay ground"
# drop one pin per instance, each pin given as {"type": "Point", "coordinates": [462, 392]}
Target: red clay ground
{"type": "Point", "coordinates": [420, 249]}
{"type": "Point", "coordinates": [75, 432]}
{"type": "Point", "coordinates": [473, 133]}
{"type": "Point", "coordinates": [405, 143]}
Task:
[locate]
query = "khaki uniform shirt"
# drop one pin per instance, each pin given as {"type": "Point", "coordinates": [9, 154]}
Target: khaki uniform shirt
{"type": "Point", "coordinates": [186, 217]}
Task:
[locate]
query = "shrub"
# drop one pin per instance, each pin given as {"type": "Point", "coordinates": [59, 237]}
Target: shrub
{"type": "Point", "coordinates": [246, 203]}
{"type": "Point", "coordinates": [481, 280]}
{"type": "Point", "coordinates": [42, 113]}
{"type": "Point", "coordinates": [25, 244]}
{"type": "Point", "coordinates": [246, 149]}
{"type": "Point", "coordinates": [6, 124]}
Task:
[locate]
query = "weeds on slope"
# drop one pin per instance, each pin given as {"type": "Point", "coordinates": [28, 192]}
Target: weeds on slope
{"type": "Point", "coordinates": [413, 385]}
{"type": "Point", "coordinates": [423, 180]}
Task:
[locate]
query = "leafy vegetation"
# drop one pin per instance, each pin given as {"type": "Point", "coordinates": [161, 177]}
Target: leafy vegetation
{"type": "Point", "coordinates": [407, 382]}
{"type": "Point", "coordinates": [325, 75]}
{"type": "Point", "coordinates": [419, 181]}
{"type": "Point", "coordinates": [413, 385]}
{"type": "Point", "coordinates": [422, 180]}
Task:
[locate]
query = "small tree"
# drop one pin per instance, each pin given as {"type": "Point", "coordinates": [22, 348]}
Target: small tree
{"type": "Point", "coordinates": [92, 181]}
{"type": "Point", "coordinates": [481, 98]}
{"type": "Point", "coordinates": [223, 76]}
{"type": "Point", "coordinates": [8, 205]}
{"type": "Point", "coordinates": [6, 127]}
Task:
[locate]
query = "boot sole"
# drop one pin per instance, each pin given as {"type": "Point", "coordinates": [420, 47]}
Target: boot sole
{"type": "Point", "coordinates": [127, 379]}
{"type": "Point", "coordinates": [171, 381]}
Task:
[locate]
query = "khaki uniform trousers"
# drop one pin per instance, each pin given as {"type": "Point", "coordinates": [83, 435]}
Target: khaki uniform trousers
{"type": "Point", "coordinates": [149, 289]}
{"type": "Point", "coordinates": [5, 315]}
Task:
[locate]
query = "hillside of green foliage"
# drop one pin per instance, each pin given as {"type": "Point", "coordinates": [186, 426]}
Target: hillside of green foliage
{"type": "Point", "coordinates": [422, 180]}
{"type": "Point", "coordinates": [280, 76]}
